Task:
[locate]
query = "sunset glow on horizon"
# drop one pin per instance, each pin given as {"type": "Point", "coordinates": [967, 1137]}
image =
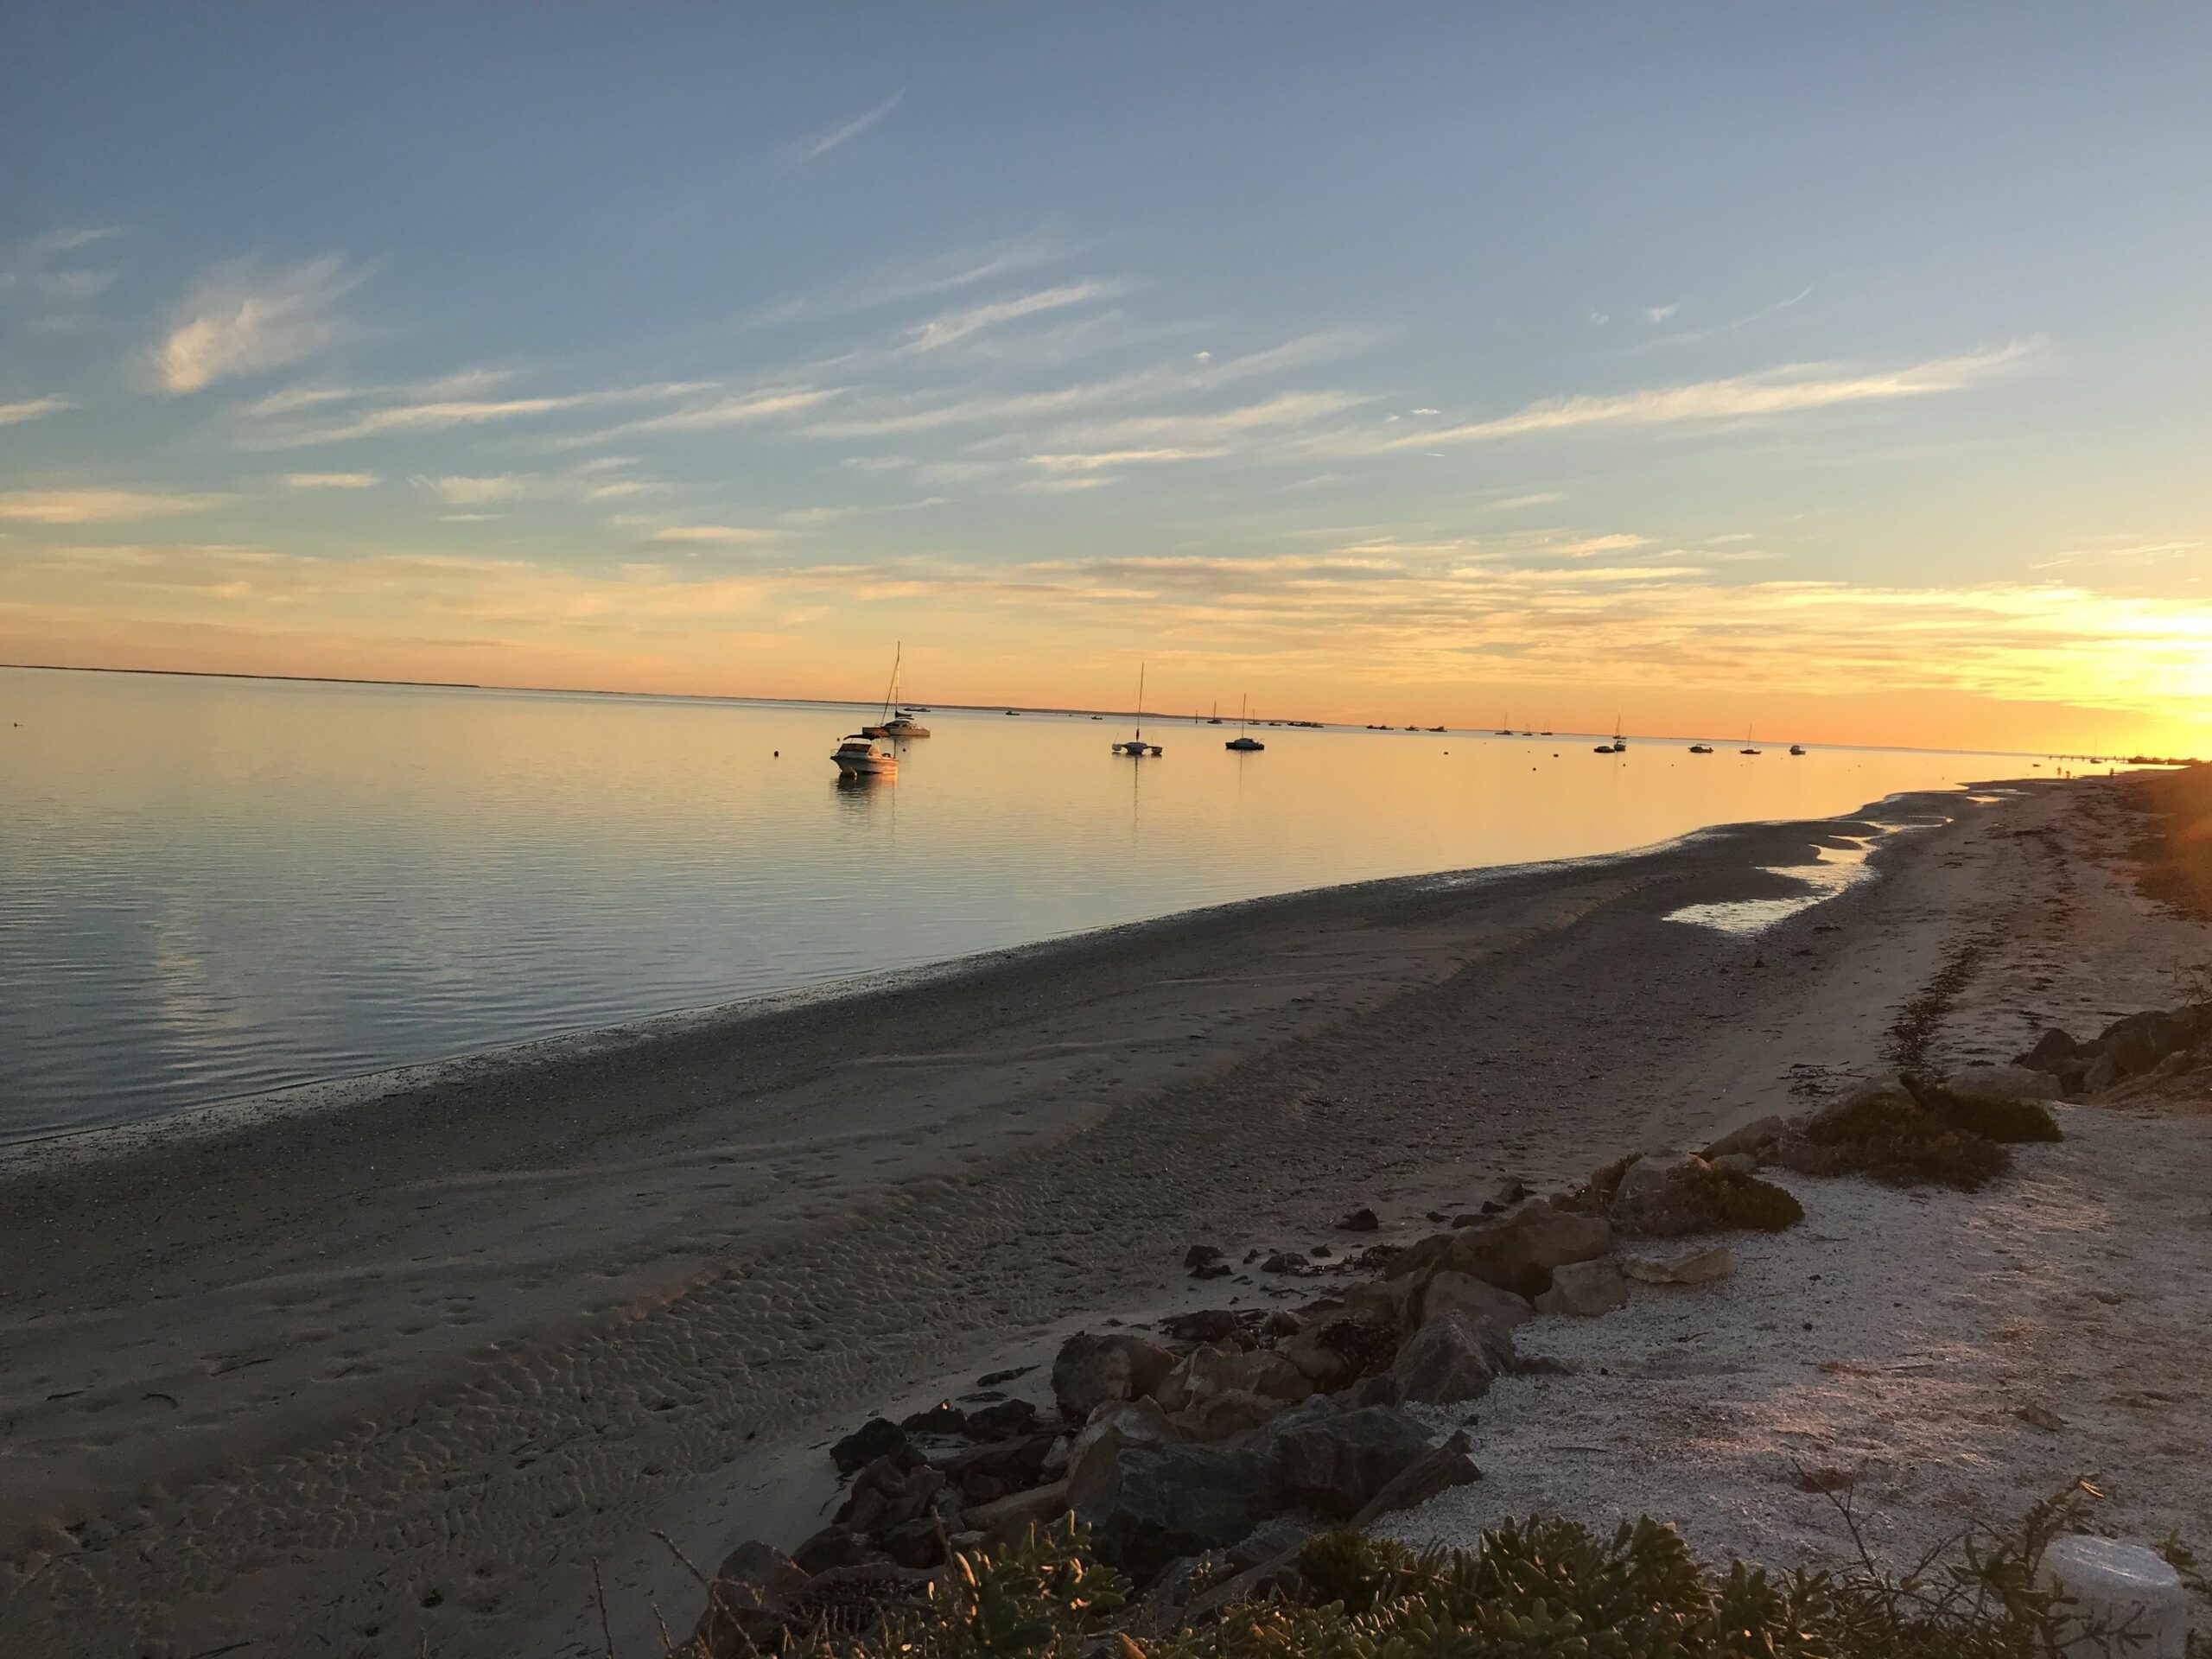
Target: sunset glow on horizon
{"type": "Point", "coordinates": [1441, 367]}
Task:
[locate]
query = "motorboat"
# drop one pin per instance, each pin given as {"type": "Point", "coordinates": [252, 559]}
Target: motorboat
{"type": "Point", "coordinates": [1616, 746]}
{"type": "Point", "coordinates": [1243, 742]}
{"type": "Point", "coordinates": [1796, 748]}
{"type": "Point", "coordinates": [863, 756]}
{"type": "Point", "coordinates": [1700, 749]}
{"type": "Point", "coordinates": [1136, 747]}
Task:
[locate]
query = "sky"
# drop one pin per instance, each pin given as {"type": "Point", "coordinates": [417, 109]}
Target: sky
{"type": "Point", "coordinates": [1837, 373]}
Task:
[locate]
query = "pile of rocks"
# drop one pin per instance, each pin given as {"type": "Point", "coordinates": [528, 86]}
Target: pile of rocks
{"type": "Point", "coordinates": [2158, 1042]}
{"type": "Point", "coordinates": [1239, 1432]}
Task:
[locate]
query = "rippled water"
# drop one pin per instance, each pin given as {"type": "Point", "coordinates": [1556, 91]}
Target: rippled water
{"type": "Point", "coordinates": [211, 888]}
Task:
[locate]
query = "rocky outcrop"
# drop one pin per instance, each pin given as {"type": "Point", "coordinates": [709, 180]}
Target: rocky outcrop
{"type": "Point", "coordinates": [2129, 1047]}
{"type": "Point", "coordinates": [1517, 1251]}
{"type": "Point", "coordinates": [1672, 1195]}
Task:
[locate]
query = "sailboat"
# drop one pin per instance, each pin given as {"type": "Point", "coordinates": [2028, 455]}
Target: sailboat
{"type": "Point", "coordinates": [1244, 742]}
{"type": "Point", "coordinates": [900, 723]}
{"type": "Point", "coordinates": [1747, 749]}
{"type": "Point", "coordinates": [1136, 747]}
{"type": "Point", "coordinates": [1214, 719]}
{"type": "Point", "coordinates": [1616, 746]}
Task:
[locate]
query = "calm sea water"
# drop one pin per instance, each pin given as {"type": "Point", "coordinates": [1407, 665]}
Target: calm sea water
{"type": "Point", "coordinates": [214, 887]}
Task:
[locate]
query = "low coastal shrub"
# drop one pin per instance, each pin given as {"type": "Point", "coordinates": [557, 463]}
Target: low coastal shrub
{"type": "Point", "coordinates": [2012, 1121]}
{"type": "Point", "coordinates": [1890, 1136]}
{"type": "Point", "coordinates": [1543, 1586]}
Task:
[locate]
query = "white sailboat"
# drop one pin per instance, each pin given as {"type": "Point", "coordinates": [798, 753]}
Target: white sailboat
{"type": "Point", "coordinates": [898, 723]}
{"type": "Point", "coordinates": [1136, 747]}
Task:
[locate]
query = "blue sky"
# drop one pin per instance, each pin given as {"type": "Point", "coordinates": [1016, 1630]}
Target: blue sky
{"type": "Point", "coordinates": [1365, 357]}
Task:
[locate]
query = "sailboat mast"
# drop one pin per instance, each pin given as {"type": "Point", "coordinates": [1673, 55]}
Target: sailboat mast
{"type": "Point", "coordinates": [1139, 699]}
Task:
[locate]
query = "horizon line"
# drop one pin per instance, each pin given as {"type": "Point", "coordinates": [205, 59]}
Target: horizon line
{"type": "Point", "coordinates": [980, 707]}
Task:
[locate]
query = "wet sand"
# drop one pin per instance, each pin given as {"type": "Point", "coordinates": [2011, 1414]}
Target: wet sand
{"type": "Point", "coordinates": [390, 1369]}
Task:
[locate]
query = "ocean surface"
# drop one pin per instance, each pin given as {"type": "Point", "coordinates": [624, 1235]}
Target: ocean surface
{"type": "Point", "coordinates": [211, 888]}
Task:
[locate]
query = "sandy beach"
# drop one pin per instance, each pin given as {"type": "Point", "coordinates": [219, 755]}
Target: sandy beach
{"type": "Point", "coordinates": [390, 1366]}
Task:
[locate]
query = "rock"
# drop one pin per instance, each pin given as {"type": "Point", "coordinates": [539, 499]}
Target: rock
{"type": "Point", "coordinates": [1221, 1415]}
{"type": "Point", "coordinates": [1093, 1369]}
{"type": "Point", "coordinates": [832, 1547]}
{"type": "Point", "coordinates": [2104, 1072]}
{"type": "Point", "coordinates": [987, 1473]}
{"type": "Point", "coordinates": [943, 1418]}
{"type": "Point", "coordinates": [1515, 1251]}
{"type": "Point", "coordinates": [2139, 1042]}
{"type": "Point", "coordinates": [1438, 1469]}
{"type": "Point", "coordinates": [1319, 1362]}
{"type": "Point", "coordinates": [1361, 1220]}
{"type": "Point", "coordinates": [1205, 1324]}
{"type": "Point", "coordinates": [2003, 1083]}
{"type": "Point", "coordinates": [1584, 1290]}
{"type": "Point", "coordinates": [1452, 1357]}
{"type": "Point", "coordinates": [1510, 1192]}
{"type": "Point", "coordinates": [1284, 1262]}
{"type": "Point", "coordinates": [1670, 1195]}
{"type": "Point", "coordinates": [1114, 1425]}
{"type": "Point", "coordinates": [1752, 1139]}
{"type": "Point", "coordinates": [1148, 1504]}
{"type": "Point", "coordinates": [1012, 1516]}
{"type": "Point", "coordinates": [1002, 1420]}
{"type": "Point", "coordinates": [918, 1543]}
{"type": "Point", "coordinates": [1701, 1268]}
{"type": "Point", "coordinates": [1391, 1303]}
{"type": "Point", "coordinates": [1337, 1461]}
{"type": "Point", "coordinates": [2051, 1053]}
{"type": "Point", "coordinates": [1201, 1256]}
{"type": "Point", "coordinates": [1736, 1163]}
{"type": "Point", "coordinates": [888, 1493]}
{"type": "Point", "coordinates": [1206, 1372]}
{"type": "Point", "coordinates": [753, 1587]}
{"type": "Point", "coordinates": [878, 1437]}
{"type": "Point", "coordinates": [1450, 1292]}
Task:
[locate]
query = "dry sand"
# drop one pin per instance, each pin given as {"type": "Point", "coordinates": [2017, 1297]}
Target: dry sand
{"type": "Point", "coordinates": [392, 1375]}
{"type": "Point", "coordinates": [1898, 1337]}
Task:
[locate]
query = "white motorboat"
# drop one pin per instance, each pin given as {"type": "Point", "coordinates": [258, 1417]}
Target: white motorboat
{"type": "Point", "coordinates": [863, 756]}
{"type": "Point", "coordinates": [1796, 748]}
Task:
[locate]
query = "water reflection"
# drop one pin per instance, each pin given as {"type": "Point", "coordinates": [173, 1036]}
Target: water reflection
{"type": "Point", "coordinates": [209, 887]}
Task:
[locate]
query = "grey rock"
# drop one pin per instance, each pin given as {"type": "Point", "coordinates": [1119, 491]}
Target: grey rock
{"type": "Point", "coordinates": [1584, 1290]}
{"type": "Point", "coordinates": [1752, 1139]}
{"type": "Point", "coordinates": [1515, 1251]}
{"type": "Point", "coordinates": [1450, 1359]}
{"type": "Point", "coordinates": [1146, 1505]}
{"type": "Point", "coordinates": [1438, 1469]}
{"type": "Point", "coordinates": [1700, 1268]}
{"type": "Point", "coordinates": [1486, 1305]}
{"type": "Point", "coordinates": [1015, 1514]}
{"type": "Point", "coordinates": [878, 1437]}
{"type": "Point", "coordinates": [1090, 1370]}
{"type": "Point", "coordinates": [1335, 1461]}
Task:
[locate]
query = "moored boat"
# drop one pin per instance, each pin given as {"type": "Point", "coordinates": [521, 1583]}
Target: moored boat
{"type": "Point", "coordinates": [863, 756]}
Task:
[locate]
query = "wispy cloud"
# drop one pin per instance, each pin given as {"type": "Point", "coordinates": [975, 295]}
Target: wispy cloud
{"type": "Point", "coordinates": [1690, 336]}
{"type": "Point", "coordinates": [925, 278]}
{"type": "Point", "coordinates": [715, 535]}
{"type": "Point", "coordinates": [465, 491]}
{"type": "Point", "coordinates": [436, 413]}
{"type": "Point", "coordinates": [243, 320]}
{"type": "Point", "coordinates": [1093, 460]}
{"type": "Point", "coordinates": [885, 416]}
{"type": "Point", "coordinates": [813, 150]}
{"type": "Point", "coordinates": [1660, 313]}
{"type": "Point", "coordinates": [956, 326]}
{"type": "Point", "coordinates": [768, 404]}
{"type": "Point", "coordinates": [98, 506]}
{"type": "Point", "coordinates": [1585, 547]}
{"type": "Point", "coordinates": [1791, 389]}
{"type": "Point", "coordinates": [332, 480]}
{"type": "Point", "coordinates": [31, 409]}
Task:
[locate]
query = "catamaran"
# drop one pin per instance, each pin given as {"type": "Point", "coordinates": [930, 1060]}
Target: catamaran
{"type": "Point", "coordinates": [1136, 747]}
